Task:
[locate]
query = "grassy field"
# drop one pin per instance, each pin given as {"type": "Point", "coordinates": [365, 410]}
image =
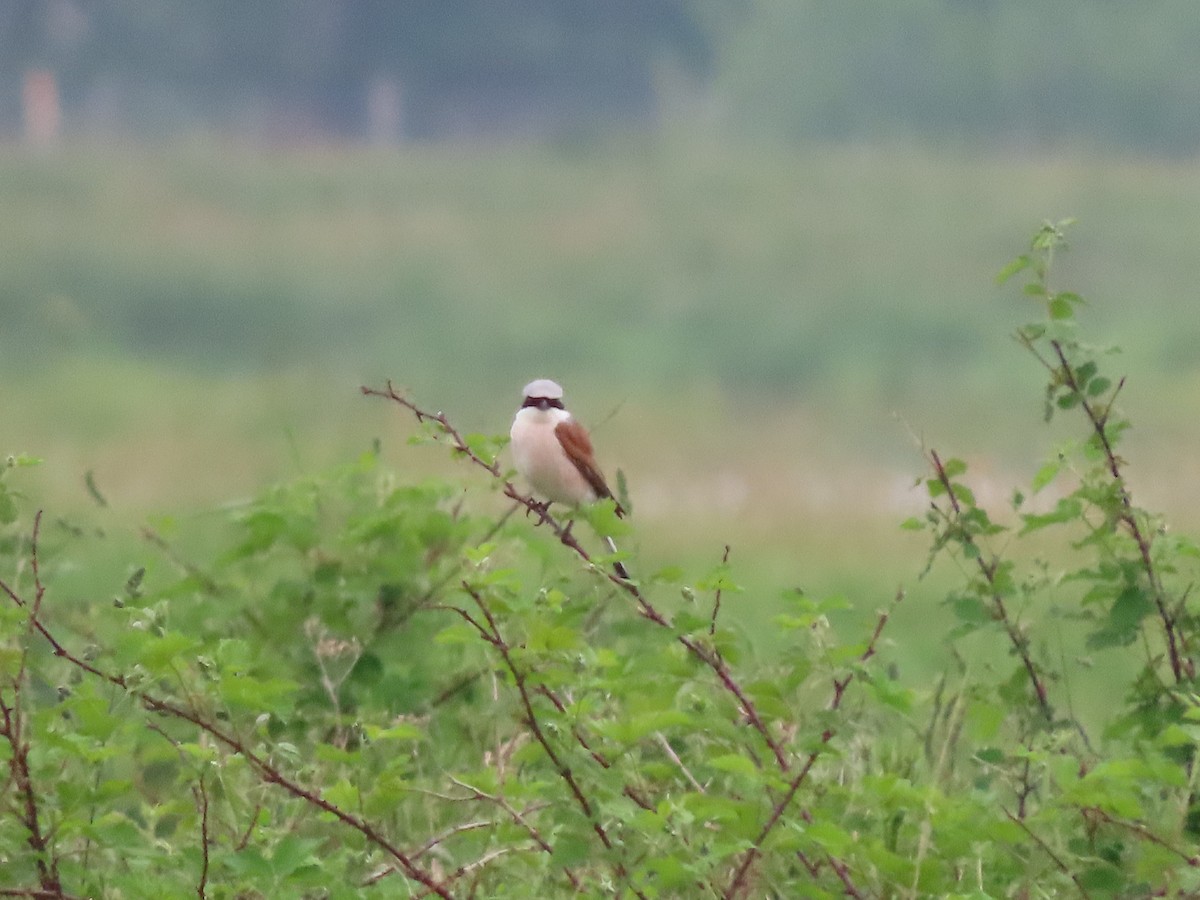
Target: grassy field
{"type": "Point", "coordinates": [759, 337]}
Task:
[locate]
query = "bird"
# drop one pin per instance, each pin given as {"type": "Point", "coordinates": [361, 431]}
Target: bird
{"type": "Point", "coordinates": [553, 452]}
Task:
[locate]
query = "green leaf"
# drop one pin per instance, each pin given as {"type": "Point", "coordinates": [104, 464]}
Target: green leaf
{"type": "Point", "coordinates": [971, 610]}
{"type": "Point", "coordinates": [954, 467]}
{"type": "Point", "coordinates": [1019, 264]}
{"type": "Point", "coordinates": [571, 849]}
{"type": "Point", "coordinates": [8, 507]}
{"type": "Point", "coordinates": [1060, 308]}
{"type": "Point", "coordinates": [602, 516]}
{"type": "Point", "coordinates": [1107, 879]}
{"type": "Point", "coordinates": [159, 654]}
{"type": "Point", "coordinates": [668, 873]}
{"type": "Point", "coordinates": [1085, 372]}
{"type": "Point", "coordinates": [1066, 510]}
{"type": "Point", "coordinates": [1046, 474]}
{"type": "Point", "coordinates": [1098, 386]}
{"type": "Point", "coordinates": [964, 494]}
{"type": "Point", "coordinates": [734, 763]}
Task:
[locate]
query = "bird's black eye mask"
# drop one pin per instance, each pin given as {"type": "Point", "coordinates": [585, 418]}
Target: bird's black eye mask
{"type": "Point", "coordinates": [542, 403]}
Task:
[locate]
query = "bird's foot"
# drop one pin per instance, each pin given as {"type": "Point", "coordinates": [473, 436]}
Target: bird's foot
{"type": "Point", "coordinates": [542, 510]}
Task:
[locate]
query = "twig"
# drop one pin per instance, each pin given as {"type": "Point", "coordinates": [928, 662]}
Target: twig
{"type": "Point", "coordinates": [207, 583]}
{"type": "Point", "coordinates": [492, 635]}
{"type": "Point", "coordinates": [1045, 848]}
{"type": "Point", "coordinates": [707, 657]}
{"type": "Point", "coordinates": [265, 770]}
{"type": "Point", "coordinates": [1179, 666]}
{"type": "Point", "coordinates": [520, 818]}
{"type": "Point", "coordinates": [18, 764]}
{"type": "Point", "coordinates": [13, 731]}
{"type": "Point", "coordinates": [466, 869]}
{"type": "Point", "coordinates": [1019, 642]}
{"type": "Point", "coordinates": [716, 609]}
{"type": "Point", "coordinates": [1192, 859]}
{"type": "Point", "coordinates": [202, 800]}
{"type": "Point", "coordinates": [670, 751]}
{"type": "Point", "coordinates": [843, 873]}
{"type": "Point", "coordinates": [738, 883]}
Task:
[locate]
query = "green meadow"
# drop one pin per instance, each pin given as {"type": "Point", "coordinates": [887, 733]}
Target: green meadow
{"type": "Point", "coordinates": [760, 338]}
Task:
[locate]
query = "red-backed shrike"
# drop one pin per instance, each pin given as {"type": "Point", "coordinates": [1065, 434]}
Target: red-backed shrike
{"type": "Point", "coordinates": [553, 452]}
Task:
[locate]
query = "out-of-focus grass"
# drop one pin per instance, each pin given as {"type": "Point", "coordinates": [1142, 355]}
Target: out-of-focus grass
{"type": "Point", "coordinates": [737, 324]}
{"type": "Point", "coordinates": [818, 277]}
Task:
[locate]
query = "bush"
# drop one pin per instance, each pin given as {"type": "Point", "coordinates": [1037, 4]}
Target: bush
{"type": "Point", "coordinates": [382, 688]}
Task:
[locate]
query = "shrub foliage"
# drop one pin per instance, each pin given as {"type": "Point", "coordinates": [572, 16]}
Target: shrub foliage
{"type": "Point", "coordinates": [376, 687]}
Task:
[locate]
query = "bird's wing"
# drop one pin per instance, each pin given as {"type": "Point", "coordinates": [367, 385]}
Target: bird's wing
{"type": "Point", "coordinates": [578, 447]}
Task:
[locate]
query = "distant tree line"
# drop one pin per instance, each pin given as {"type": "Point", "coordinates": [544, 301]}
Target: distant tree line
{"type": "Point", "coordinates": [350, 67]}
{"type": "Point", "coordinates": [1006, 72]}
{"type": "Point", "coordinates": [1012, 74]}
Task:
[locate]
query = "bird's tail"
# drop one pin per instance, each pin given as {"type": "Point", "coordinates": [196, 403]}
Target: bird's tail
{"type": "Point", "coordinates": [618, 566]}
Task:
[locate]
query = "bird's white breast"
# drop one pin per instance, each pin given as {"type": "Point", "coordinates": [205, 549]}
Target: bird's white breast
{"type": "Point", "coordinates": [540, 459]}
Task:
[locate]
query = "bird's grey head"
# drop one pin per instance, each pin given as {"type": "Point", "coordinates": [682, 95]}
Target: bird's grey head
{"type": "Point", "coordinates": [543, 394]}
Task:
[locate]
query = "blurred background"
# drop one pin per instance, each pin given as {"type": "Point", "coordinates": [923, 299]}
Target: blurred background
{"type": "Point", "coordinates": [755, 240]}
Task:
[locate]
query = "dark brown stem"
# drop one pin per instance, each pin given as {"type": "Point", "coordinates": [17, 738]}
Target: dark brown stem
{"type": "Point", "coordinates": [12, 730]}
{"type": "Point", "coordinates": [491, 633]}
{"type": "Point", "coordinates": [716, 609]}
{"type": "Point", "coordinates": [1127, 515]}
{"type": "Point", "coordinates": [742, 872]}
{"type": "Point", "coordinates": [1045, 848]}
{"type": "Point", "coordinates": [520, 819]}
{"type": "Point", "coordinates": [708, 658]}
{"type": "Point", "coordinates": [1000, 608]}
{"type": "Point", "coordinates": [266, 771]}
{"type": "Point", "coordinates": [202, 801]}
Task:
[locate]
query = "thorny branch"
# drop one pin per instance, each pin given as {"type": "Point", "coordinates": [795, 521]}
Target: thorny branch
{"type": "Point", "coordinates": [520, 819]}
{"type": "Point", "coordinates": [988, 569]}
{"type": "Point", "coordinates": [202, 800]}
{"type": "Point", "coordinates": [1180, 666]}
{"type": "Point", "coordinates": [706, 655]}
{"type": "Point", "coordinates": [490, 632]}
{"type": "Point", "coordinates": [12, 729]}
{"type": "Point", "coordinates": [716, 607]}
{"type": "Point", "coordinates": [265, 770]}
{"type": "Point", "coordinates": [738, 885]}
{"type": "Point", "coordinates": [1020, 822]}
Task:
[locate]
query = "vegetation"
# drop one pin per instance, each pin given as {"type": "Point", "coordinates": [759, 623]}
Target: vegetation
{"type": "Point", "coordinates": [1015, 74]}
{"type": "Point", "coordinates": [385, 686]}
{"type": "Point", "coordinates": [1012, 73]}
